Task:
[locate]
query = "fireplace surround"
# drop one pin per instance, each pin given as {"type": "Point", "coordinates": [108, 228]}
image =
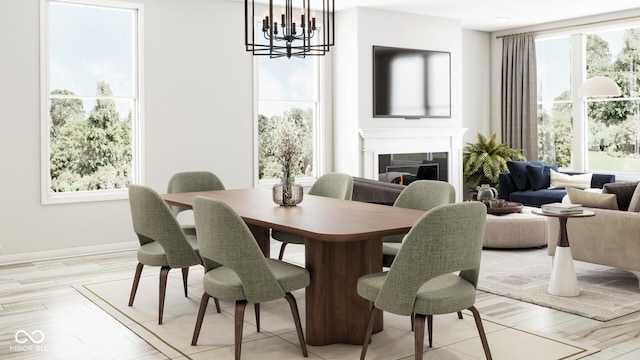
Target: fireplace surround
{"type": "Point", "coordinates": [381, 141]}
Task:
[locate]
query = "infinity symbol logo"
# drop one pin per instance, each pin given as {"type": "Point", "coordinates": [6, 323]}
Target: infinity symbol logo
{"type": "Point", "coordinates": [21, 339]}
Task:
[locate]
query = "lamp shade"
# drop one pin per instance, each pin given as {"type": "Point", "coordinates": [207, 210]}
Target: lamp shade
{"type": "Point", "coordinates": [599, 86]}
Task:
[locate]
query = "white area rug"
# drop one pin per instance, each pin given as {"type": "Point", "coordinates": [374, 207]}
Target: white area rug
{"type": "Point", "coordinates": [453, 338]}
{"type": "Point", "coordinates": [523, 274]}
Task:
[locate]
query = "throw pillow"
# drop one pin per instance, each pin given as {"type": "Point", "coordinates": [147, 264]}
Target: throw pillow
{"type": "Point", "coordinates": [539, 176]}
{"type": "Point", "coordinates": [518, 170]}
{"type": "Point", "coordinates": [634, 204]}
{"type": "Point", "coordinates": [591, 199]}
{"type": "Point", "coordinates": [623, 191]}
{"type": "Point", "coordinates": [560, 180]}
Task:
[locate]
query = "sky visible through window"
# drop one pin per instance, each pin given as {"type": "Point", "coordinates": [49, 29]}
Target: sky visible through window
{"type": "Point", "coordinates": [89, 44]}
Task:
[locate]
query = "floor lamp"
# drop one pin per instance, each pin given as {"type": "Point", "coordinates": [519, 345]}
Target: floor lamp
{"type": "Point", "coordinates": [595, 87]}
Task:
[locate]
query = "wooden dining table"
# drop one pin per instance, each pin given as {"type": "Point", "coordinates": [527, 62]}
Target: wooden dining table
{"type": "Point", "coordinates": [343, 241]}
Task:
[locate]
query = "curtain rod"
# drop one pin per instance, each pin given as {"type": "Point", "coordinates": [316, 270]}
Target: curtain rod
{"type": "Point", "coordinates": [569, 26]}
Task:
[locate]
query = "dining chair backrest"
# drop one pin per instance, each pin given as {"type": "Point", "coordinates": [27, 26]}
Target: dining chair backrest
{"type": "Point", "coordinates": [190, 181]}
{"type": "Point", "coordinates": [225, 239]}
{"type": "Point", "coordinates": [446, 239]}
{"type": "Point", "coordinates": [426, 194]}
{"type": "Point", "coordinates": [333, 185]}
{"type": "Point", "coordinates": [154, 221]}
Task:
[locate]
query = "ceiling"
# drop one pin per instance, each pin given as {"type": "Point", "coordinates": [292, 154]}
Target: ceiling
{"type": "Point", "coordinates": [495, 15]}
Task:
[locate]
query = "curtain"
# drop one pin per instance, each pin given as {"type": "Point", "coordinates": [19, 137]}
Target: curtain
{"type": "Point", "coordinates": [519, 94]}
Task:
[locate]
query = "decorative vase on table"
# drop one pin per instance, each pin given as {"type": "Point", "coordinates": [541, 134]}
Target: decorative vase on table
{"type": "Point", "coordinates": [287, 192]}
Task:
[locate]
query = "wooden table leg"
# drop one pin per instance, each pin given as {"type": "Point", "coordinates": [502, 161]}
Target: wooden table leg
{"type": "Point", "coordinates": [335, 313]}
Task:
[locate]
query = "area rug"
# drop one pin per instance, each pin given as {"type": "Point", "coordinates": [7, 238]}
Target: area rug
{"type": "Point", "coordinates": [606, 293]}
{"type": "Point", "coordinates": [453, 338]}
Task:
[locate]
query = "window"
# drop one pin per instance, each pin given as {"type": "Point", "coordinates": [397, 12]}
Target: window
{"type": "Point", "coordinates": [91, 114]}
{"type": "Point", "coordinates": [554, 101]}
{"type": "Point", "coordinates": [288, 91]}
{"type": "Point", "coordinates": [613, 124]}
{"type": "Point", "coordinates": [599, 134]}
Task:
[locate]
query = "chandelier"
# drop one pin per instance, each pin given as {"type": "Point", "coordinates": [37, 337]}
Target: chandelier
{"type": "Point", "coordinates": [288, 34]}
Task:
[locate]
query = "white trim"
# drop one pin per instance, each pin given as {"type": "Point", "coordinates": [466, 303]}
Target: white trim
{"type": "Point", "coordinates": [137, 142]}
{"type": "Point", "coordinates": [69, 252]}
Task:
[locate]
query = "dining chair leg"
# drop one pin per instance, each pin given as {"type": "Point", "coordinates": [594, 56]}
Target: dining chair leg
{"type": "Point", "coordinates": [483, 336]}
{"type": "Point", "coordinates": [257, 311]}
{"type": "Point", "coordinates": [460, 315]}
{"type": "Point", "coordinates": [296, 320]}
{"type": "Point", "coordinates": [367, 334]}
{"type": "Point", "coordinates": [136, 281]}
{"type": "Point", "coordinates": [412, 318]}
{"type": "Point", "coordinates": [284, 244]}
{"type": "Point", "coordinates": [185, 276]}
{"type": "Point", "coordinates": [164, 273]}
{"type": "Point", "coordinates": [430, 329]}
{"type": "Point", "coordinates": [203, 309]}
{"type": "Point", "coordinates": [419, 335]}
{"type": "Point", "coordinates": [215, 300]}
{"type": "Point", "coordinates": [239, 320]}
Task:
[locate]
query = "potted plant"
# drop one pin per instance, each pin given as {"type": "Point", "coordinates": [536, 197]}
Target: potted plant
{"type": "Point", "coordinates": [484, 161]}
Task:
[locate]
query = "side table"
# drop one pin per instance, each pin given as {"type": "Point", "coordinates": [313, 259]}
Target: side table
{"type": "Point", "coordinates": [563, 280]}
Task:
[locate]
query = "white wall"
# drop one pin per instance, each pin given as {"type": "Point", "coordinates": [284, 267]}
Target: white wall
{"type": "Point", "coordinates": [360, 29]}
{"type": "Point", "coordinates": [476, 89]}
{"type": "Point", "coordinates": [198, 81]}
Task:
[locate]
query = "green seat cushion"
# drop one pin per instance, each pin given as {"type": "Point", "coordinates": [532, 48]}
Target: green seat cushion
{"type": "Point", "coordinates": [287, 237]}
{"type": "Point", "coordinates": [224, 284]}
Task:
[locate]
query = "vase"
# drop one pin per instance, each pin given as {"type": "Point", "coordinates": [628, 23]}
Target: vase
{"type": "Point", "coordinates": [287, 192]}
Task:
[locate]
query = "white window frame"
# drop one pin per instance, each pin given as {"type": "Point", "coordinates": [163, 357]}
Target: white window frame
{"type": "Point", "coordinates": [318, 127]}
{"type": "Point", "coordinates": [48, 197]}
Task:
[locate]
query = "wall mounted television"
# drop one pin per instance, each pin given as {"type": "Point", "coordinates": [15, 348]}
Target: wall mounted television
{"type": "Point", "coordinates": [411, 83]}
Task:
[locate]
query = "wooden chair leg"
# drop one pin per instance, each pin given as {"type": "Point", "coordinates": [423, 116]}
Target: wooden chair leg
{"type": "Point", "coordinates": [284, 244]}
{"type": "Point", "coordinates": [136, 281]}
{"type": "Point", "coordinates": [430, 329]}
{"type": "Point", "coordinates": [185, 276]}
{"type": "Point", "coordinates": [483, 336]}
{"type": "Point", "coordinates": [203, 309]}
{"type": "Point", "coordinates": [412, 318]}
{"type": "Point", "coordinates": [460, 315]}
{"type": "Point", "coordinates": [164, 273]}
{"type": "Point", "coordinates": [367, 334]}
{"type": "Point", "coordinates": [239, 320]}
{"type": "Point", "coordinates": [215, 300]}
{"type": "Point", "coordinates": [296, 320]}
{"type": "Point", "coordinates": [419, 336]}
{"type": "Point", "coordinates": [257, 311]}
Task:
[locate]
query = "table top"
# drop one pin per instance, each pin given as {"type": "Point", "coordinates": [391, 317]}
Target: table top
{"type": "Point", "coordinates": [584, 213]}
{"type": "Point", "coordinates": [317, 217]}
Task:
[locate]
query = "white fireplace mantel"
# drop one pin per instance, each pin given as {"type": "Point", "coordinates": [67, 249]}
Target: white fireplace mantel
{"type": "Point", "coordinates": [380, 141]}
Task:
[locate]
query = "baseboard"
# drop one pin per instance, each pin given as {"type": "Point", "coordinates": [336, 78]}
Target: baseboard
{"type": "Point", "coordinates": [69, 252]}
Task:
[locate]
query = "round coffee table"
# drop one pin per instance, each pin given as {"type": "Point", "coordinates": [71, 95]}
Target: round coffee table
{"type": "Point", "coordinates": [563, 281]}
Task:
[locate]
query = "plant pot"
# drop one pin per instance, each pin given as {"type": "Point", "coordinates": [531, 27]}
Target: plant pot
{"type": "Point", "coordinates": [287, 192]}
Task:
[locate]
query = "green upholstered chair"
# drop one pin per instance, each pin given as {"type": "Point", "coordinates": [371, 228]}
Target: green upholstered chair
{"type": "Point", "coordinates": [333, 185]}
{"type": "Point", "coordinates": [419, 195]}
{"type": "Point", "coordinates": [189, 181]}
{"type": "Point", "coordinates": [236, 270]}
{"type": "Point", "coordinates": [435, 272]}
{"type": "Point", "coordinates": [162, 241]}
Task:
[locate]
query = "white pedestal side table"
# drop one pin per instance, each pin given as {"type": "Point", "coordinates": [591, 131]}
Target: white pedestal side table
{"type": "Point", "coordinates": [563, 280]}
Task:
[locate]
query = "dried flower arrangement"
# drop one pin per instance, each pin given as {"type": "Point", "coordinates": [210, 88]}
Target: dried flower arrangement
{"type": "Point", "coordinates": [287, 147]}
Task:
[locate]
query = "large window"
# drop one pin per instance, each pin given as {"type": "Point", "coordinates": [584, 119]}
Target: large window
{"type": "Point", "coordinates": [288, 91]}
{"type": "Point", "coordinates": [591, 134]}
{"type": "Point", "coordinates": [91, 99]}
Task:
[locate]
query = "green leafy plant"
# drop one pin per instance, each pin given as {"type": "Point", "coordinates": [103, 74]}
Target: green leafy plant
{"type": "Point", "coordinates": [486, 159]}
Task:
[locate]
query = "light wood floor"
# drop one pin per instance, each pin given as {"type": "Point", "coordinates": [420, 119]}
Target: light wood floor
{"type": "Point", "coordinates": [39, 296]}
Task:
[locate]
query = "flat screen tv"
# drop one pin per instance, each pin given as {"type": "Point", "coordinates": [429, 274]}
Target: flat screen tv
{"type": "Point", "coordinates": [411, 83]}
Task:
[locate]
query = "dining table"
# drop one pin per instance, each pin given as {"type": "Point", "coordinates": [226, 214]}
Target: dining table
{"type": "Point", "coordinates": [343, 241]}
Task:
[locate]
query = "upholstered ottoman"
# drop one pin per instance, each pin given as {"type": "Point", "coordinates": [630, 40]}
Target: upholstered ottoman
{"type": "Point", "coordinates": [516, 230]}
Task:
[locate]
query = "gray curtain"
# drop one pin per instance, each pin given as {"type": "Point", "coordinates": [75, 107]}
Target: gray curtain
{"type": "Point", "coordinates": [519, 93]}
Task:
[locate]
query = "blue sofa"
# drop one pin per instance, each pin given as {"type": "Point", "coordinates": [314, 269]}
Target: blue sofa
{"type": "Point", "coordinates": [509, 191]}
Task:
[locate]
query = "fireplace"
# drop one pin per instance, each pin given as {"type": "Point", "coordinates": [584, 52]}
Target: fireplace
{"type": "Point", "coordinates": [380, 145]}
{"type": "Point", "coordinates": [404, 168]}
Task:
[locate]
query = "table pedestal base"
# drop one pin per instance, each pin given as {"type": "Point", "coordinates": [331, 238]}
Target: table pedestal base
{"type": "Point", "coordinates": [563, 280]}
